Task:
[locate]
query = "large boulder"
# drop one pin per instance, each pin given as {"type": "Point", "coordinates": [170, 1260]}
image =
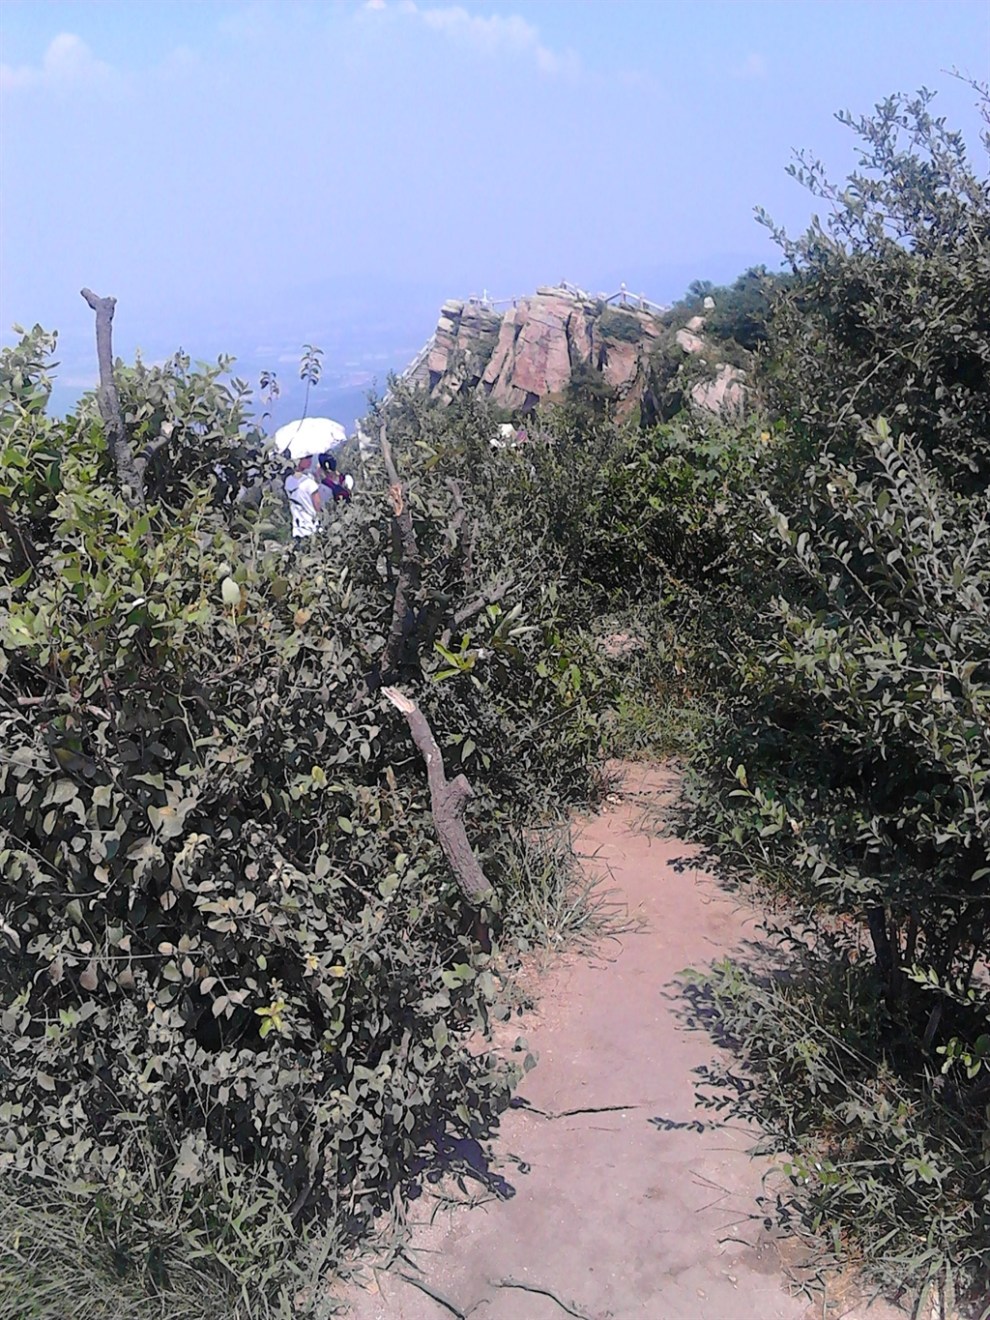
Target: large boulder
{"type": "Point", "coordinates": [689, 341]}
{"type": "Point", "coordinates": [542, 358]}
{"type": "Point", "coordinates": [725, 394]}
{"type": "Point", "coordinates": [539, 341]}
{"type": "Point", "coordinates": [621, 365]}
{"type": "Point", "coordinates": [458, 353]}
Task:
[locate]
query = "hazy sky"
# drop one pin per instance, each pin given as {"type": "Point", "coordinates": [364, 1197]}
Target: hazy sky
{"type": "Point", "coordinates": [250, 176]}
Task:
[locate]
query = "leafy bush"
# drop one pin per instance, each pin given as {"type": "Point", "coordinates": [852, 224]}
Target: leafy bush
{"type": "Point", "coordinates": [859, 728]}
{"type": "Point", "coordinates": [198, 426]}
{"type": "Point", "coordinates": [889, 312]}
{"type": "Point", "coordinates": [631, 532]}
{"type": "Point", "coordinates": [614, 323]}
{"type": "Point", "coordinates": [868, 1160]}
{"type": "Point", "coordinates": [742, 311]}
{"type": "Point", "coordinates": [588, 398]}
{"type": "Point", "coordinates": [236, 954]}
{"type": "Point", "coordinates": [847, 759]}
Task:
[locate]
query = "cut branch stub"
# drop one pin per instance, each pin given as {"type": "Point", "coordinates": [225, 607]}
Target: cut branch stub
{"type": "Point", "coordinates": [128, 472]}
{"type": "Point", "coordinates": [447, 802]}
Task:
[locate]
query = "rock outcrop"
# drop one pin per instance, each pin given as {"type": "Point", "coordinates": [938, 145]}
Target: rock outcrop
{"type": "Point", "coordinates": [533, 352]}
{"type": "Point", "coordinates": [689, 340]}
{"type": "Point", "coordinates": [460, 348]}
{"type": "Point", "coordinates": [725, 393]}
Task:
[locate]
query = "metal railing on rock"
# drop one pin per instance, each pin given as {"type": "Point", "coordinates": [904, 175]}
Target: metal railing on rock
{"type": "Point", "coordinates": [637, 301]}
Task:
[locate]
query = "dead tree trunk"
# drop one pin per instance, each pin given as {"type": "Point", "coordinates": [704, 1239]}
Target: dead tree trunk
{"type": "Point", "coordinates": [448, 798]}
{"type": "Point", "coordinates": [128, 472]}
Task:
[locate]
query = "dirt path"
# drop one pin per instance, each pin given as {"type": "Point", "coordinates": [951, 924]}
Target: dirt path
{"type": "Point", "coordinates": [625, 1204]}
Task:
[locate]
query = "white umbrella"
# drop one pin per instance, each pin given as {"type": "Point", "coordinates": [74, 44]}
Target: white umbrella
{"type": "Point", "coordinates": [309, 436]}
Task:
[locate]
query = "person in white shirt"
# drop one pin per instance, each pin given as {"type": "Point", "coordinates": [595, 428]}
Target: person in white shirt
{"type": "Point", "coordinates": [303, 491]}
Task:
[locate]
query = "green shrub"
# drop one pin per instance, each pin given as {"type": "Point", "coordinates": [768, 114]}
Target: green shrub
{"type": "Point", "coordinates": [742, 313]}
{"type": "Point", "coordinates": [614, 323]}
{"type": "Point", "coordinates": [846, 759]}
{"type": "Point", "coordinates": [888, 312]}
{"type": "Point", "coordinates": [236, 953]}
{"type": "Point", "coordinates": [882, 1168]}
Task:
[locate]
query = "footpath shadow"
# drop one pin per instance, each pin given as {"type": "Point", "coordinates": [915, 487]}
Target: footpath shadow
{"type": "Point", "coordinates": [461, 1158]}
{"type": "Point", "coordinates": [826, 1074]}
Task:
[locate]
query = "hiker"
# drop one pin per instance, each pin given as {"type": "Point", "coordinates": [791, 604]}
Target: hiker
{"type": "Point", "coordinates": [335, 484]}
{"type": "Point", "coordinates": [303, 491]}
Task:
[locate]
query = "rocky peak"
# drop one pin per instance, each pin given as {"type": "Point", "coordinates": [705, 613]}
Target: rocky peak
{"type": "Point", "coordinates": [530, 353]}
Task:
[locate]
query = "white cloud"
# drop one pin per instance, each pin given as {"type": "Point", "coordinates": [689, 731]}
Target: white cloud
{"type": "Point", "coordinates": [68, 62]}
{"type": "Point", "coordinates": [494, 35]}
{"type": "Point", "coordinates": [753, 66]}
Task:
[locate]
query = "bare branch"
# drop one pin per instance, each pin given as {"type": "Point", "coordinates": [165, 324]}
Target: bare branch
{"type": "Point", "coordinates": [129, 473]}
{"type": "Point", "coordinates": [470, 539]}
{"type": "Point", "coordinates": [476, 606]}
{"type": "Point", "coordinates": [447, 801]}
{"type": "Point", "coordinates": [460, 513]}
{"type": "Point", "coordinates": [386, 448]}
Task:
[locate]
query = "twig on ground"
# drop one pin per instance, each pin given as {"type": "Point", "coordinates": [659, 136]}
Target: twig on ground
{"type": "Point", "coordinates": [544, 1292]}
{"type": "Point", "coordinates": [438, 1297]}
{"type": "Point", "coordinates": [572, 1113]}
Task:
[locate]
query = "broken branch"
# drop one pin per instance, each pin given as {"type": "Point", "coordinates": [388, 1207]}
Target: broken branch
{"type": "Point", "coordinates": [447, 802]}
{"type": "Point", "coordinates": [474, 607]}
{"type": "Point", "coordinates": [129, 474]}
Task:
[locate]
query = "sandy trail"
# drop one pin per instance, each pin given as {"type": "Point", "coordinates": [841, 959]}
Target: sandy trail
{"type": "Point", "coordinates": [625, 1210]}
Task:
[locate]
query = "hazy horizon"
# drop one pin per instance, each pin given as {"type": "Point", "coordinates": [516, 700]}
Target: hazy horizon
{"type": "Point", "coordinates": [247, 178]}
{"type": "Point", "coordinates": [362, 344]}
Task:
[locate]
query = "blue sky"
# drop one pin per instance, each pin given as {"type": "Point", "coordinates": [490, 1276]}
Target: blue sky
{"type": "Point", "coordinates": [248, 177]}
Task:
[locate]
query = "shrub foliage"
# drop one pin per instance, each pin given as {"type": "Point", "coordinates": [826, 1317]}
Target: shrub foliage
{"type": "Point", "coordinates": [235, 950]}
{"type": "Point", "coordinates": [848, 758]}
